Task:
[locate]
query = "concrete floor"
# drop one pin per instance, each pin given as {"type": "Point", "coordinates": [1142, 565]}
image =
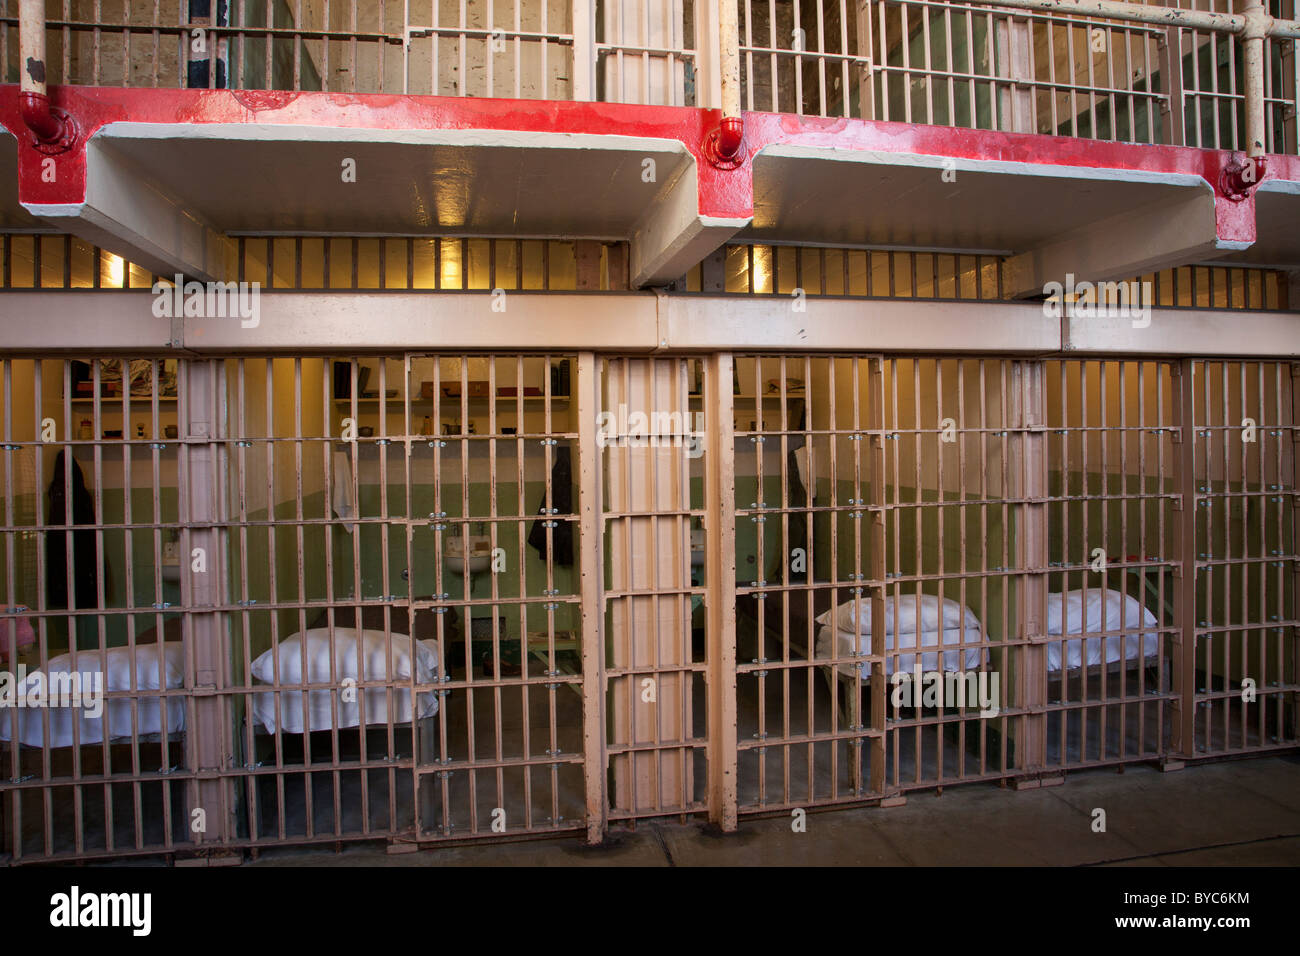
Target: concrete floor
{"type": "Point", "coordinates": [1234, 813]}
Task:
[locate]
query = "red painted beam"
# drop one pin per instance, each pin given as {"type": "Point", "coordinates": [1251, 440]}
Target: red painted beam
{"type": "Point", "coordinates": [1235, 221]}
{"type": "Point", "coordinates": [723, 193]}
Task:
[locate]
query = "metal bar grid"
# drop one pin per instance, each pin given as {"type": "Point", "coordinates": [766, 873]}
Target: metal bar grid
{"type": "Point", "coordinates": [977, 66]}
{"type": "Point", "coordinates": [797, 57]}
{"type": "Point", "coordinates": [455, 264]}
{"type": "Point", "coordinates": [1244, 433]}
{"type": "Point", "coordinates": [94, 728]}
{"type": "Point", "coordinates": [766, 269]}
{"type": "Point", "coordinates": [807, 460]}
{"type": "Point", "coordinates": [1113, 631]}
{"type": "Point", "coordinates": [914, 489]}
{"type": "Point", "coordinates": [503, 48]}
{"type": "Point", "coordinates": [957, 492]}
{"type": "Point", "coordinates": [404, 498]}
{"type": "Point", "coordinates": [1206, 80]}
{"type": "Point", "coordinates": [646, 52]}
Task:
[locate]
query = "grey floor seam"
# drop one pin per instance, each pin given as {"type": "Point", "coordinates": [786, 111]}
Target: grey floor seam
{"type": "Point", "coordinates": [1196, 849]}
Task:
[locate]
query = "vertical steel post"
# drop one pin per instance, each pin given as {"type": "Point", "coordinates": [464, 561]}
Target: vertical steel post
{"type": "Point", "coordinates": [708, 52]}
{"type": "Point", "coordinates": [1183, 716]}
{"type": "Point", "coordinates": [1290, 90]}
{"type": "Point", "coordinates": [1252, 41]}
{"type": "Point", "coordinates": [1028, 469]}
{"type": "Point", "coordinates": [1291, 487]}
{"type": "Point", "coordinates": [592, 564]}
{"type": "Point", "coordinates": [1173, 111]}
{"type": "Point", "coordinates": [720, 576]}
{"type": "Point", "coordinates": [876, 574]}
{"type": "Point", "coordinates": [1015, 101]}
{"type": "Point", "coordinates": [866, 81]}
{"type": "Point", "coordinates": [206, 660]}
{"type": "Point", "coordinates": [584, 50]}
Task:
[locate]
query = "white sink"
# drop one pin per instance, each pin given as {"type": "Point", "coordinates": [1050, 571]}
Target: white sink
{"type": "Point", "coordinates": [171, 562]}
{"type": "Point", "coordinates": [474, 551]}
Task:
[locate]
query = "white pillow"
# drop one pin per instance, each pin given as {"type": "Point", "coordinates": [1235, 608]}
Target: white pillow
{"type": "Point", "coordinates": [954, 615]}
{"type": "Point", "coordinates": [373, 659]}
{"type": "Point", "coordinates": [120, 717]}
{"type": "Point", "coordinates": [1104, 610]}
{"type": "Point", "coordinates": [298, 712]}
{"type": "Point", "coordinates": [115, 664]}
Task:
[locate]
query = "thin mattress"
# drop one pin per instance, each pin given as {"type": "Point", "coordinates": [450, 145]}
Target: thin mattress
{"type": "Point", "coordinates": [73, 700]}
{"type": "Point", "coordinates": [958, 657]}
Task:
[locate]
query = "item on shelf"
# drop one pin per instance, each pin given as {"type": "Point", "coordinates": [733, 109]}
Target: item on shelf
{"type": "Point", "coordinates": [87, 428]}
{"type": "Point", "coordinates": [139, 430]}
{"type": "Point", "coordinates": [426, 390]}
{"type": "Point", "coordinates": [512, 391]}
{"type": "Point", "coordinates": [559, 378]}
{"type": "Point", "coordinates": [366, 431]}
{"type": "Point", "coordinates": [81, 381]}
{"type": "Point", "coordinates": [112, 433]}
{"type": "Point", "coordinates": [476, 388]}
{"type": "Point", "coordinates": [170, 431]}
{"type": "Point", "coordinates": [342, 380]}
{"type": "Point", "coordinates": [427, 427]}
{"type": "Point", "coordinates": [791, 385]}
{"type": "Point", "coordinates": [141, 375]}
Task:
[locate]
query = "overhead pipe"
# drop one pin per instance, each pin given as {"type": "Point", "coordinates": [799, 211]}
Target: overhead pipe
{"type": "Point", "coordinates": [723, 145]}
{"type": "Point", "coordinates": [1239, 177]}
{"type": "Point", "coordinates": [1158, 16]}
{"type": "Point", "coordinates": [1258, 23]}
{"type": "Point", "coordinates": [54, 129]}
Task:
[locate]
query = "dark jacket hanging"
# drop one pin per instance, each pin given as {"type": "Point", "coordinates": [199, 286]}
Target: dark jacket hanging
{"type": "Point", "coordinates": [84, 570]}
{"type": "Point", "coordinates": [798, 524]}
{"type": "Point", "coordinates": [562, 502]}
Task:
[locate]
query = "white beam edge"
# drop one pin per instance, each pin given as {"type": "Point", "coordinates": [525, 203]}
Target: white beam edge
{"type": "Point", "coordinates": [89, 321]}
{"type": "Point", "coordinates": [296, 132]}
{"type": "Point", "coordinates": [1286, 187]}
{"type": "Point", "coordinates": [310, 321]}
{"type": "Point", "coordinates": [725, 322]}
{"type": "Point", "coordinates": [82, 320]}
{"type": "Point", "coordinates": [435, 321]}
{"type": "Point", "coordinates": [125, 214]}
{"type": "Point", "coordinates": [960, 165]}
{"type": "Point", "coordinates": [1160, 235]}
{"type": "Point", "coordinates": [672, 237]}
{"type": "Point", "coordinates": [1187, 332]}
